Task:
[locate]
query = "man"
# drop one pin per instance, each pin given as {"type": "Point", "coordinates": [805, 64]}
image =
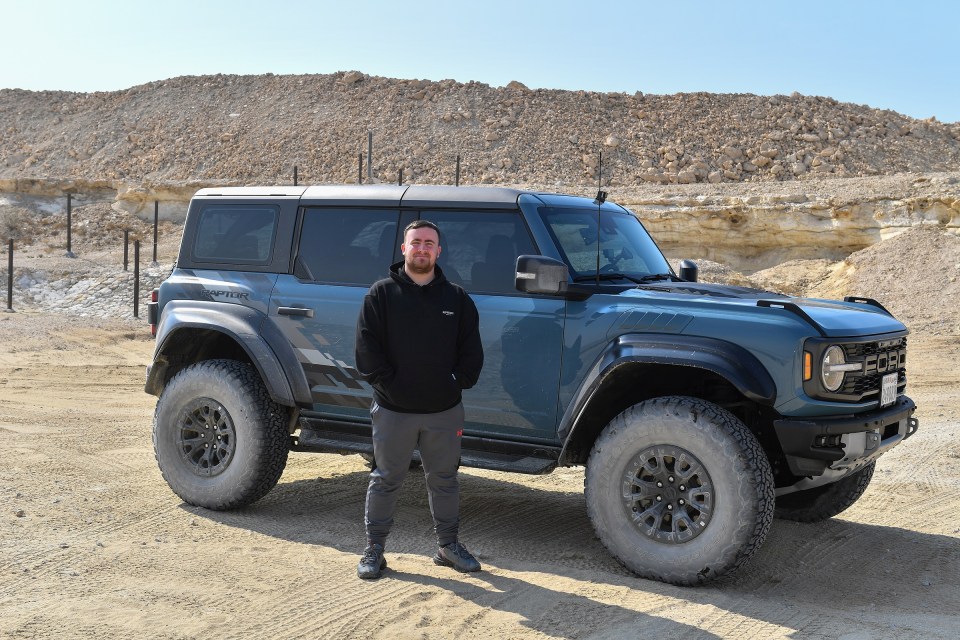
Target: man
{"type": "Point", "coordinates": [418, 345]}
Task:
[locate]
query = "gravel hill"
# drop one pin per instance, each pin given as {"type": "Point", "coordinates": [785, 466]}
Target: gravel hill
{"type": "Point", "coordinates": [254, 129]}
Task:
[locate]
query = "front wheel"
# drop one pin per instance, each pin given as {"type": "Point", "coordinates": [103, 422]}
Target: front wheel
{"type": "Point", "coordinates": [220, 440]}
{"type": "Point", "coordinates": [679, 490]}
{"type": "Point", "coordinates": [820, 503]}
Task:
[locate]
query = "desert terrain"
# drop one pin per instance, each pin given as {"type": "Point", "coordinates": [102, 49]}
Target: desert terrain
{"type": "Point", "coordinates": [93, 543]}
{"type": "Point", "coordinates": [799, 194]}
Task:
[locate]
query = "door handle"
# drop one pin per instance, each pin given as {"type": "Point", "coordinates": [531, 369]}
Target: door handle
{"type": "Point", "coordinates": [295, 311]}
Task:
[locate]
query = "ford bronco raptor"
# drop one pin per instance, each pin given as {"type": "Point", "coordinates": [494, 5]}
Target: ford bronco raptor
{"type": "Point", "coordinates": [700, 411]}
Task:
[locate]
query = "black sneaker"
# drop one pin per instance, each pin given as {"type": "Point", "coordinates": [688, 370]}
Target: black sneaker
{"type": "Point", "coordinates": [456, 555]}
{"type": "Point", "coordinates": [372, 563]}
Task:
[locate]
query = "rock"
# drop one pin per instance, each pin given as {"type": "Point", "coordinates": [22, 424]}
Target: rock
{"type": "Point", "coordinates": [351, 77]}
{"type": "Point", "coordinates": [20, 513]}
{"type": "Point", "coordinates": [715, 177]}
{"type": "Point", "coordinates": [769, 152]}
{"type": "Point", "coordinates": [734, 153]}
{"type": "Point", "coordinates": [761, 161]}
{"type": "Point", "coordinates": [515, 84]}
{"type": "Point", "coordinates": [810, 137]}
{"type": "Point", "coordinates": [491, 136]}
{"type": "Point", "coordinates": [611, 141]}
{"type": "Point", "coordinates": [798, 168]}
{"type": "Point", "coordinates": [687, 176]}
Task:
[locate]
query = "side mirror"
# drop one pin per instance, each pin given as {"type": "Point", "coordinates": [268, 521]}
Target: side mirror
{"type": "Point", "coordinates": [689, 270]}
{"type": "Point", "coordinates": [539, 274]}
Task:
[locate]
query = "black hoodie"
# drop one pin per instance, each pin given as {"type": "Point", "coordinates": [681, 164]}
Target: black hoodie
{"type": "Point", "coordinates": [419, 346]}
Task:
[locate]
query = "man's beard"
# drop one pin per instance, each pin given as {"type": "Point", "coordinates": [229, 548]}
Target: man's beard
{"type": "Point", "coordinates": [422, 268]}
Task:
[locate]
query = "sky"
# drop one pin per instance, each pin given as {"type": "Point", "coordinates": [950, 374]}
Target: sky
{"type": "Point", "coordinates": [903, 56]}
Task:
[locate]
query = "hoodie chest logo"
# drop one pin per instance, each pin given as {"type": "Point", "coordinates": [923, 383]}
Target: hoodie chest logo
{"type": "Point", "coordinates": [448, 313]}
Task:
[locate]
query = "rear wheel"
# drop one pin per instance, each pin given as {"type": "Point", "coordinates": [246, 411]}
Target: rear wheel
{"type": "Point", "coordinates": [220, 440]}
{"type": "Point", "coordinates": [820, 503]}
{"type": "Point", "coordinates": [679, 490]}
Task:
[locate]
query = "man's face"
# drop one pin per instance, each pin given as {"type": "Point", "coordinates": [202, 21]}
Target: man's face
{"type": "Point", "coordinates": [420, 249]}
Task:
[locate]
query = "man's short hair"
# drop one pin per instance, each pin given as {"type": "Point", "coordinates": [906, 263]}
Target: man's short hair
{"type": "Point", "coordinates": [419, 224]}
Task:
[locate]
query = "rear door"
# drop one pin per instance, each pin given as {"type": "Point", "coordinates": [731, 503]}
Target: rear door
{"type": "Point", "coordinates": [342, 251]}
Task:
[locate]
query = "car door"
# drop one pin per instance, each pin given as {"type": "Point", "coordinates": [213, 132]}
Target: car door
{"type": "Point", "coordinates": [341, 252]}
{"type": "Point", "coordinates": [522, 335]}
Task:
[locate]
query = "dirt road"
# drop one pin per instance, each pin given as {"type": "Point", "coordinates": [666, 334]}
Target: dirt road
{"type": "Point", "coordinates": [93, 543]}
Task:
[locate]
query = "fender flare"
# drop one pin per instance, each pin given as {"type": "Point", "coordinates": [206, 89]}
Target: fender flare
{"type": "Point", "coordinates": [731, 362]}
{"type": "Point", "coordinates": [251, 329]}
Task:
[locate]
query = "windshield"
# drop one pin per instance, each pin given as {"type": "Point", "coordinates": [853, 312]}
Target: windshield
{"type": "Point", "coordinates": [625, 246]}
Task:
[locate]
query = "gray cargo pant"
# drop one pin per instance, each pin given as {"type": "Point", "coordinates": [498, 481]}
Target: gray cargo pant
{"type": "Point", "coordinates": [395, 435]}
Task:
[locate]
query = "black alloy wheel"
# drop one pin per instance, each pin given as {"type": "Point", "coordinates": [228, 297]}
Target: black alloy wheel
{"type": "Point", "coordinates": [207, 438]}
{"type": "Point", "coordinates": [668, 494]}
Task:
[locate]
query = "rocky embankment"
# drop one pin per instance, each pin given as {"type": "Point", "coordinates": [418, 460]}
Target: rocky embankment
{"type": "Point", "coordinates": [256, 128]}
{"type": "Point", "coordinates": [747, 182]}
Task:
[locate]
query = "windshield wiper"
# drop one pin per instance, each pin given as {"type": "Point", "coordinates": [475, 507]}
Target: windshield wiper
{"type": "Point", "coordinates": [653, 277]}
{"type": "Point", "coordinates": [607, 276]}
{"type": "Point", "coordinates": [650, 277]}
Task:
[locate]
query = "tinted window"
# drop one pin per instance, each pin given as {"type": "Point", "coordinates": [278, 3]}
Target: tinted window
{"type": "Point", "coordinates": [236, 234]}
{"type": "Point", "coordinates": [479, 249]}
{"type": "Point", "coordinates": [347, 246]}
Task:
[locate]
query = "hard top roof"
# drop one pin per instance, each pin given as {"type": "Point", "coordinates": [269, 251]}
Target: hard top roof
{"type": "Point", "coordinates": [416, 195]}
{"type": "Point", "coordinates": [391, 195]}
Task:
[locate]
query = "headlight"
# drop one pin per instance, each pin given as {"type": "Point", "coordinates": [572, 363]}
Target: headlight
{"type": "Point", "coordinates": [833, 367]}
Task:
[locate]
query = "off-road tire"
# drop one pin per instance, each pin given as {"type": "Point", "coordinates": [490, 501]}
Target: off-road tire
{"type": "Point", "coordinates": [820, 503]}
{"type": "Point", "coordinates": [718, 450]}
{"type": "Point", "coordinates": [253, 443]}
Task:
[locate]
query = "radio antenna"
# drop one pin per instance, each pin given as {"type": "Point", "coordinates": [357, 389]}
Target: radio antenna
{"type": "Point", "coordinates": [601, 198]}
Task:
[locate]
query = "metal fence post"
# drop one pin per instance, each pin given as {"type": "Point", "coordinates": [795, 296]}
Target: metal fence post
{"type": "Point", "coordinates": [400, 178]}
{"type": "Point", "coordinates": [294, 175]}
{"type": "Point", "coordinates": [10, 276]}
{"type": "Point", "coordinates": [126, 247]}
{"type": "Point", "coordinates": [156, 226]}
{"type": "Point", "coordinates": [360, 168]}
{"type": "Point", "coordinates": [70, 226]}
{"type": "Point", "coordinates": [136, 278]}
{"type": "Point", "coordinates": [456, 180]}
{"type": "Point", "coordinates": [370, 155]}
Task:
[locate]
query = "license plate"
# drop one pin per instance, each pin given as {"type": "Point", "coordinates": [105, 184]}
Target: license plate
{"type": "Point", "coordinates": [888, 389]}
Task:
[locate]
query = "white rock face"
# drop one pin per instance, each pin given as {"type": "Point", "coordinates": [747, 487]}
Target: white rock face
{"type": "Point", "coordinates": [755, 231]}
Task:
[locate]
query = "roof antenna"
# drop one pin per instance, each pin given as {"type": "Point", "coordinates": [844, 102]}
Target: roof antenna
{"type": "Point", "coordinates": [601, 198]}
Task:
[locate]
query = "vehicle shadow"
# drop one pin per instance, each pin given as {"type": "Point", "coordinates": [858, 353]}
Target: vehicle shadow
{"type": "Point", "coordinates": [522, 527]}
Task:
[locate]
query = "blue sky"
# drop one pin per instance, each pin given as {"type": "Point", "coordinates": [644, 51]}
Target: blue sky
{"type": "Point", "coordinates": [903, 56]}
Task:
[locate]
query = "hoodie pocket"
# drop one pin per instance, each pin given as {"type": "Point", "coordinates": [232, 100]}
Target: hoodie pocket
{"type": "Point", "coordinates": [423, 388]}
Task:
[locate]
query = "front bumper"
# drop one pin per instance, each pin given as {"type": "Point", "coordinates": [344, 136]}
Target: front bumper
{"type": "Point", "coordinates": [812, 445]}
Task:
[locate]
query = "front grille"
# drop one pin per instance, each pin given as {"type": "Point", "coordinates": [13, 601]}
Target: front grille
{"type": "Point", "coordinates": [879, 358]}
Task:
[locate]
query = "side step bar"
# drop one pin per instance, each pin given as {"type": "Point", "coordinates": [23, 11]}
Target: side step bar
{"type": "Point", "coordinates": [341, 436]}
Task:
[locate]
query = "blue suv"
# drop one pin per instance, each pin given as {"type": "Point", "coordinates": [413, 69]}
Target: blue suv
{"type": "Point", "coordinates": [700, 411]}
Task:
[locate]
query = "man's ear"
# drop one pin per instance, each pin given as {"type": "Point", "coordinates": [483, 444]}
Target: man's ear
{"type": "Point", "coordinates": [438, 251]}
{"type": "Point", "coordinates": [403, 248]}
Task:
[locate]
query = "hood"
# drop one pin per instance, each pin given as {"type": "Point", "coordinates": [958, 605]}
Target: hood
{"type": "Point", "coordinates": [831, 318]}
